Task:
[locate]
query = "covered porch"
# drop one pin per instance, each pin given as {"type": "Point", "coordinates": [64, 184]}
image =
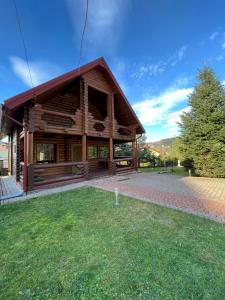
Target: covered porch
{"type": "Point", "coordinates": [57, 159]}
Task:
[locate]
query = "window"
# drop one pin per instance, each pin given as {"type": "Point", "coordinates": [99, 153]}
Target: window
{"type": "Point", "coordinates": [46, 153]}
{"type": "Point", "coordinates": [92, 152]}
{"type": "Point", "coordinates": [103, 152]}
{"type": "Point", "coordinates": [95, 151]}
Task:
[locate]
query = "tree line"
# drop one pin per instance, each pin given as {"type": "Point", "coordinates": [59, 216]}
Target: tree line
{"type": "Point", "coordinates": [201, 143]}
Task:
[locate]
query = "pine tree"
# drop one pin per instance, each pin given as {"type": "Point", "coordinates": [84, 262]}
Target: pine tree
{"type": "Point", "coordinates": [203, 128]}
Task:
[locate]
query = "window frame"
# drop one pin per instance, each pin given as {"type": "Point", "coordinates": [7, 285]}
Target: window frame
{"type": "Point", "coordinates": [92, 157]}
{"type": "Point", "coordinates": [47, 161]}
{"type": "Point", "coordinates": [100, 151]}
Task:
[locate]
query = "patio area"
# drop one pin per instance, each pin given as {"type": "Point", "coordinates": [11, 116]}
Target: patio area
{"type": "Point", "coordinates": [196, 195]}
{"type": "Point", "coordinates": [9, 188]}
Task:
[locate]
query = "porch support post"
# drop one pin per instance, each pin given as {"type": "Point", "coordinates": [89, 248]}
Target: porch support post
{"type": "Point", "coordinates": [84, 106]}
{"type": "Point", "coordinates": [134, 153]}
{"type": "Point", "coordinates": [137, 163]}
{"type": "Point", "coordinates": [10, 155]}
{"type": "Point", "coordinates": [112, 169]}
{"type": "Point", "coordinates": [30, 148]}
{"type": "Point", "coordinates": [110, 149]}
{"type": "Point", "coordinates": [17, 155]}
{"type": "Point", "coordinates": [25, 173]}
{"type": "Point", "coordinates": [84, 147]}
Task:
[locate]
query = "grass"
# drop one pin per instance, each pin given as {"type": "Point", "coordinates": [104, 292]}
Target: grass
{"type": "Point", "coordinates": [79, 245]}
{"type": "Point", "coordinates": [179, 171]}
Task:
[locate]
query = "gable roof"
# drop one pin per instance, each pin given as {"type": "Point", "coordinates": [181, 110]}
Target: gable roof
{"type": "Point", "coordinates": [20, 99]}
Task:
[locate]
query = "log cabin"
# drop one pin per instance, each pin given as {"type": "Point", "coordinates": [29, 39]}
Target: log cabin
{"type": "Point", "coordinates": [65, 130]}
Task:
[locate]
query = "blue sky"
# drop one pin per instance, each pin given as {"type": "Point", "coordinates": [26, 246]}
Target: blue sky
{"type": "Point", "coordinates": [154, 48]}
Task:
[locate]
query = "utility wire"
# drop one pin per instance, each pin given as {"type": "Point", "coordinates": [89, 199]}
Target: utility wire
{"type": "Point", "coordinates": [24, 44]}
{"type": "Point", "coordinates": [23, 41]}
{"type": "Point", "coordinates": [82, 35]}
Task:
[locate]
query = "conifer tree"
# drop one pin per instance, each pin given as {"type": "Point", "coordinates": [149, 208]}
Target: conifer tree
{"type": "Point", "coordinates": [203, 128]}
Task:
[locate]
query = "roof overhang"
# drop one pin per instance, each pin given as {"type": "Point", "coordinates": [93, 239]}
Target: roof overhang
{"type": "Point", "coordinates": [19, 100]}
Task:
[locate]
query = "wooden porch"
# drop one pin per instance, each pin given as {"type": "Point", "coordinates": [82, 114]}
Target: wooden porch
{"type": "Point", "coordinates": [73, 159]}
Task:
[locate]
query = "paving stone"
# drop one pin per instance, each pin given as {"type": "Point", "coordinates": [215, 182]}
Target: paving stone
{"type": "Point", "coordinates": [200, 196]}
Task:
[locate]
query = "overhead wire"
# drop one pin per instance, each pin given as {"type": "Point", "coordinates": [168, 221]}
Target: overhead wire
{"type": "Point", "coordinates": [82, 34]}
{"type": "Point", "coordinates": [23, 42]}
{"type": "Point", "coordinates": [25, 47]}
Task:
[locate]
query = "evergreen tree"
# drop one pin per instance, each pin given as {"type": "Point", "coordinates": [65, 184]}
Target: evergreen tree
{"type": "Point", "coordinates": [203, 128]}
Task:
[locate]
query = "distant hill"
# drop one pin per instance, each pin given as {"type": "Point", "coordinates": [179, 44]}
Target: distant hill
{"type": "Point", "coordinates": [164, 142]}
{"type": "Point", "coordinates": [163, 146]}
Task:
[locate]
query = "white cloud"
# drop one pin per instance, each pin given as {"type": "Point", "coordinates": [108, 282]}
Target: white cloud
{"type": "Point", "coordinates": [41, 71]}
{"type": "Point", "coordinates": [213, 35]}
{"type": "Point", "coordinates": [223, 45]}
{"type": "Point", "coordinates": [159, 112]}
{"type": "Point", "coordinates": [172, 121]}
{"type": "Point", "coordinates": [181, 82]}
{"type": "Point", "coordinates": [220, 57]}
{"type": "Point", "coordinates": [156, 109]}
{"type": "Point", "coordinates": [150, 69]}
{"type": "Point", "coordinates": [105, 19]}
{"type": "Point", "coordinates": [178, 56]}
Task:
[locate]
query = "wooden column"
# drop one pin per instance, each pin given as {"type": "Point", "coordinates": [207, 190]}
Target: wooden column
{"type": "Point", "coordinates": [84, 109]}
{"type": "Point", "coordinates": [25, 172]}
{"type": "Point", "coordinates": [17, 154]}
{"type": "Point", "coordinates": [10, 155]}
{"type": "Point", "coordinates": [134, 149]}
{"type": "Point", "coordinates": [30, 148]}
{"type": "Point", "coordinates": [111, 113]}
{"type": "Point", "coordinates": [25, 151]}
{"type": "Point", "coordinates": [134, 153]}
{"type": "Point", "coordinates": [84, 147]}
{"type": "Point", "coordinates": [110, 149]}
{"type": "Point", "coordinates": [84, 104]}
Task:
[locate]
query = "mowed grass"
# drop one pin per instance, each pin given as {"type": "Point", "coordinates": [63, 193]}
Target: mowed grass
{"type": "Point", "coordinates": [179, 171]}
{"type": "Point", "coordinates": [79, 245]}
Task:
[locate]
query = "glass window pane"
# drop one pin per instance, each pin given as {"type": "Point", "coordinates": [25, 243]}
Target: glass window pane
{"type": "Point", "coordinates": [92, 152]}
{"type": "Point", "coordinates": [46, 153]}
{"type": "Point", "coordinates": [103, 152]}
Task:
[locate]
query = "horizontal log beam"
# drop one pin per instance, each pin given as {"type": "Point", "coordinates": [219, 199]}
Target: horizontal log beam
{"type": "Point", "coordinates": [55, 165]}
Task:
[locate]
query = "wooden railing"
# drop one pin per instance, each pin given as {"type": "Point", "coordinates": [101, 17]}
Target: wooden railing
{"type": "Point", "coordinates": [54, 121]}
{"type": "Point", "coordinates": [124, 164]}
{"type": "Point", "coordinates": [123, 132]}
{"type": "Point", "coordinates": [54, 173]}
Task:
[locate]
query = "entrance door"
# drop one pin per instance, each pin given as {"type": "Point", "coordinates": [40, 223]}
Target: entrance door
{"type": "Point", "coordinates": [76, 152]}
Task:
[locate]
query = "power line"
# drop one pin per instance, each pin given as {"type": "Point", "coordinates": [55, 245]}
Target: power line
{"type": "Point", "coordinates": [23, 41]}
{"type": "Point", "coordinates": [82, 35]}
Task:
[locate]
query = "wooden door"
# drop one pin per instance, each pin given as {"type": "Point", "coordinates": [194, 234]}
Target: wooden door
{"type": "Point", "coordinates": [76, 153]}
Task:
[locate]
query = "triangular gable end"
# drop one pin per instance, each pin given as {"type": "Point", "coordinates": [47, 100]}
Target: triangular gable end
{"type": "Point", "coordinates": [93, 71]}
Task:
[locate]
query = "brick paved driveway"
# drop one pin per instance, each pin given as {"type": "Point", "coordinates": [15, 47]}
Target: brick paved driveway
{"type": "Point", "coordinates": [200, 196]}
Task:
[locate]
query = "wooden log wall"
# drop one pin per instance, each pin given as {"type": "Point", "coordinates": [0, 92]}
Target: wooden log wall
{"type": "Point", "coordinates": [63, 145]}
{"type": "Point", "coordinates": [98, 80]}
{"type": "Point", "coordinates": [124, 137]}
{"type": "Point", "coordinates": [71, 113]}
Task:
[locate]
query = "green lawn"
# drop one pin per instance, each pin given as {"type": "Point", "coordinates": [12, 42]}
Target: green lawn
{"type": "Point", "coordinates": [79, 245]}
{"type": "Point", "coordinates": [180, 171]}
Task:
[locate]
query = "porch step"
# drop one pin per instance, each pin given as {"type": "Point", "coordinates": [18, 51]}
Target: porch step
{"type": "Point", "coordinates": [94, 175]}
{"type": "Point", "coordinates": [126, 172]}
